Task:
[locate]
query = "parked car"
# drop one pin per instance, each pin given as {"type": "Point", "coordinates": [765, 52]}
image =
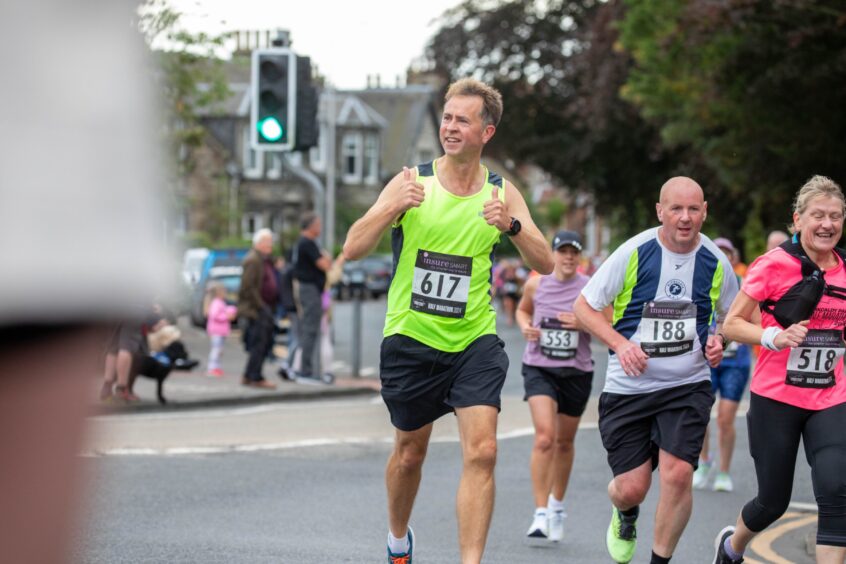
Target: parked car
{"type": "Point", "coordinates": [223, 266]}
{"type": "Point", "coordinates": [377, 270]}
{"type": "Point", "coordinates": [192, 265]}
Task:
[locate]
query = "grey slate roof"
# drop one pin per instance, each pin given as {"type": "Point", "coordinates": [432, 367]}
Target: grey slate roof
{"type": "Point", "coordinates": [405, 110]}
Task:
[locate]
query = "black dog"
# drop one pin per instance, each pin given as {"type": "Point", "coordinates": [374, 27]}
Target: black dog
{"type": "Point", "coordinates": [173, 357]}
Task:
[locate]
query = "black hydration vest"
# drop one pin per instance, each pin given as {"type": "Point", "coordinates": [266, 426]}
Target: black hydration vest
{"type": "Point", "coordinates": [799, 302]}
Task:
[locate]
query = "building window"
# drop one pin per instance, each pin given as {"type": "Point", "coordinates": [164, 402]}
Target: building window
{"type": "Point", "coordinates": [250, 223]}
{"type": "Point", "coordinates": [371, 159]}
{"type": "Point", "coordinates": [253, 164]}
{"type": "Point", "coordinates": [351, 157]}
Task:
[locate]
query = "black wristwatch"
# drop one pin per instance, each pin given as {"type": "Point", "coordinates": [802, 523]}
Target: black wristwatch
{"type": "Point", "coordinates": [514, 227]}
{"type": "Point", "coordinates": [724, 339]}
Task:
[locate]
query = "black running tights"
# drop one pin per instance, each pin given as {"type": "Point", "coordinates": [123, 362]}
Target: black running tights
{"type": "Point", "coordinates": [774, 432]}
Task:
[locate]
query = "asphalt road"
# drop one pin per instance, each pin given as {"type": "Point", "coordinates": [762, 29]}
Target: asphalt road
{"type": "Point", "coordinates": [303, 483]}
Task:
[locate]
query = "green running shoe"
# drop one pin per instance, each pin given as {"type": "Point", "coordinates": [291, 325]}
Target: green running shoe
{"type": "Point", "coordinates": [621, 538]}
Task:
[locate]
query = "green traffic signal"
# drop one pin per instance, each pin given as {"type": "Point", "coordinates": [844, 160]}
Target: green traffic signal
{"type": "Point", "coordinates": [271, 129]}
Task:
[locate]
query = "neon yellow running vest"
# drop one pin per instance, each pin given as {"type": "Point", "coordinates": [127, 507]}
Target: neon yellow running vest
{"type": "Point", "coordinates": [443, 252]}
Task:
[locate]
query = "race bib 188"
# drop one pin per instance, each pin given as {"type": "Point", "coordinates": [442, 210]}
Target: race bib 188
{"type": "Point", "coordinates": [667, 328]}
{"type": "Point", "coordinates": [811, 364]}
{"type": "Point", "coordinates": [441, 284]}
{"type": "Point", "coordinates": [556, 342]}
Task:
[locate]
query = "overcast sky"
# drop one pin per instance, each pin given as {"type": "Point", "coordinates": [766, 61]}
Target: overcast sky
{"type": "Point", "coordinates": [347, 40]}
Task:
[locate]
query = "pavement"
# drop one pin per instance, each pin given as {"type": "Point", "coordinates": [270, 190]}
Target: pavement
{"type": "Point", "coordinates": [195, 390]}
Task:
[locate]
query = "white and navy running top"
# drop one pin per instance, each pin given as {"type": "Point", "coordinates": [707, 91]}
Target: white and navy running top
{"type": "Point", "coordinates": [665, 302]}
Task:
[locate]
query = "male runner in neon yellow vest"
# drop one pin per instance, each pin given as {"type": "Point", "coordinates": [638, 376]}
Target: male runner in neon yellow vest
{"type": "Point", "coordinates": [441, 353]}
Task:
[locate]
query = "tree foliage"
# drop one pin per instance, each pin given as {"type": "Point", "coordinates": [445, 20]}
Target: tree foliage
{"type": "Point", "coordinates": [190, 76]}
{"type": "Point", "coordinates": [754, 87]}
{"type": "Point", "coordinates": [559, 69]}
{"type": "Point", "coordinates": [614, 97]}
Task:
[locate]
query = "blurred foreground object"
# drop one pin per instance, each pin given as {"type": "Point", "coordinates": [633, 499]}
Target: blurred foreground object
{"type": "Point", "coordinates": [81, 243]}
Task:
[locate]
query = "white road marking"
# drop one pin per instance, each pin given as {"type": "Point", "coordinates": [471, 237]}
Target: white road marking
{"type": "Point", "coordinates": [307, 443]}
{"type": "Point", "coordinates": [234, 411]}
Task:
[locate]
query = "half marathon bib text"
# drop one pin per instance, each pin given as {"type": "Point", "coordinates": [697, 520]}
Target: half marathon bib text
{"type": "Point", "coordinates": [556, 342]}
{"type": "Point", "coordinates": [811, 364]}
{"type": "Point", "coordinates": [441, 284]}
{"type": "Point", "coordinates": [667, 328]}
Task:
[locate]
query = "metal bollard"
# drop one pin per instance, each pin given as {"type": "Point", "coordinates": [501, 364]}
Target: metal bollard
{"type": "Point", "coordinates": [357, 278]}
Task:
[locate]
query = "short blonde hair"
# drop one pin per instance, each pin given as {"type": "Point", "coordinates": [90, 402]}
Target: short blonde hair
{"type": "Point", "coordinates": [817, 186]}
{"type": "Point", "coordinates": [491, 98]}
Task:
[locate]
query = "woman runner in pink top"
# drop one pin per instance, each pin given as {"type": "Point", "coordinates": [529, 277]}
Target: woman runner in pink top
{"type": "Point", "coordinates": [557, 375]}
{"type": "Point", "coordinates": [797, 386]}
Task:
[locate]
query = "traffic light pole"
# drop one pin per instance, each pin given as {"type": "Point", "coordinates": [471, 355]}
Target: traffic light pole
{"type": "Point", "coordinates": [330, 169]}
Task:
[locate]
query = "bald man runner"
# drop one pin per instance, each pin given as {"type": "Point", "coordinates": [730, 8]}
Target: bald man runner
{"type": "Point", "coordinates": [441, 353]}
{"type": "Point", "coordinates": [665, 286]}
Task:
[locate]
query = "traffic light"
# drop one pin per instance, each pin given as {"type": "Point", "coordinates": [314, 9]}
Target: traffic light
{"type": "Point", "coordinates": [307, 99]}
{"type": "Point", "coordinates": [274, 99]}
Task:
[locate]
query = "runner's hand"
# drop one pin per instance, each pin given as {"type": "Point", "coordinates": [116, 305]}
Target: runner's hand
{"type": "Point", "coordinates": [713, 351]}
{"type": "Point", "coordinates": [409, 194]}
{"type": "Point", "coordinates": [632, 358]}
{"type": "Point", "coordinates": [495, 213]}
{"type": "Point", "coordinates": [568, 320]}
{"type": "Point", "coordinates": [792, 336]}
{"type": "Point", "coordinates": [531, 334]}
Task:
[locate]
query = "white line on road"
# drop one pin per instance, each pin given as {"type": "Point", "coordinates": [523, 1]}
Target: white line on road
{"type": "Point", "coordinates": [319, 442]}
{"type": "Point", "coordinates": [230, 411]}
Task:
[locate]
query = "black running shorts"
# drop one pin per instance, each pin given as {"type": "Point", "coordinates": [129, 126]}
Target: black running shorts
{"type": "Point", "coordinates": [568, 386]}
{"type": "Point", "coordinates": [419, 383]}
{"type": "Point", "coordinates": [634, 427]}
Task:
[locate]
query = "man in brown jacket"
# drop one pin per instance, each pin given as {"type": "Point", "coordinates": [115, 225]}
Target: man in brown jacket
{"type": "Point", "coordinates": [256, 304]}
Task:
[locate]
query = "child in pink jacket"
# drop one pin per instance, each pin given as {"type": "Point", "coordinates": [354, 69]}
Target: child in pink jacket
{"type": "Point", "coordinates": [218, 326]}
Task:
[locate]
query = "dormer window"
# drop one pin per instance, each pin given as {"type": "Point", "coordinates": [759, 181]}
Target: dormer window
{"type": "Point", "coordinates": [371, 159]}
{"type": "Point", "coordinates": [351, 157]}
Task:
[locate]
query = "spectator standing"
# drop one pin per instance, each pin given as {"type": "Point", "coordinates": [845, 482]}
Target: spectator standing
{"type": "Point", "coordinates": [218, 326]}
{"type": "Point", "coordinates": [288, 309]}
{"type": "Point", "coordinates": [310, 268]}
{"type": "Point", "coordinates": [256, 303]}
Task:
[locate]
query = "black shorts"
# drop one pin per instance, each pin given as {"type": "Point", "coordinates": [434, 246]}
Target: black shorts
{"type": "Point", "coordinates": [568, 386]}
{"type": "Point", "coordinates": [634, 427]}
{"type": "Point", "coordinates": [419, 383]}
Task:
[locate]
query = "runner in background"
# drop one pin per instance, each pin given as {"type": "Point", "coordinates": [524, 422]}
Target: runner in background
{"type": "Point", "coordinates": [729, 381]}
{"type": "Point", "coordinates": [557, 376]}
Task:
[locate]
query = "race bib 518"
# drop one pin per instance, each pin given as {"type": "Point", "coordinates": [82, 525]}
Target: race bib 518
{"type": "Point", "coordinates": [811, 364]}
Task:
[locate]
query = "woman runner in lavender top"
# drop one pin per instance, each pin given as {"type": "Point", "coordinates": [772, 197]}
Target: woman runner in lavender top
{"type": "Point", "coordinates": [557, 375]}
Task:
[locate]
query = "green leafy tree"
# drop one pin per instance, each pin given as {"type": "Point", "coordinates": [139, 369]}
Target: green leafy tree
{"type": "Point", "coordinates": [191, 80]}
{"type": "Point", "coordinates": [560, 69]}
{"type": "Point", "coordinates": [753, 88]}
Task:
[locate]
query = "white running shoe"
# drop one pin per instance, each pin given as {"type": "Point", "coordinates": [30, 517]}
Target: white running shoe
{"type": "Point", "coordinates": [700, 475]}
{"type": "Point", "coordinates": [723, 483]}
{"type": "Point", "coordinates": [556, 525]}
{"type": "Point", "coordinates": [540, 527]}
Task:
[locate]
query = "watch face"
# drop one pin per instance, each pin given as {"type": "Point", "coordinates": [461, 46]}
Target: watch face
{"type": "Point", "coordinates": [515, 226]}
